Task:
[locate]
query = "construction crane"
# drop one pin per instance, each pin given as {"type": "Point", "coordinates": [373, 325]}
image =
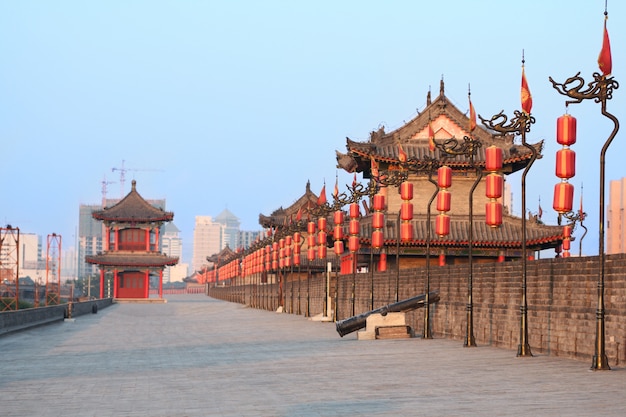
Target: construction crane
{"type": "Point", "coordinates": [105, 184]}
{"type": "Point", "coordinates": [123, 170]}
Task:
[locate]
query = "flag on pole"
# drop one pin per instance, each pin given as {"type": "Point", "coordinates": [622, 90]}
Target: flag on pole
{"type": "Point", "coordinates": [354, 181]}
{"type": "Point", "coordinates": [401, 154]}
{"type": "Point", "coordinates": [472, 116]}
{"type": "Point", "coordinates": [527, 98]}
{"type": "Point", "coordinates": [431, 136]}
{"type": "Point", "coordinates": [336, 190]}
{"type": "Point", "coordinates": [321, 200]}
{"type": "Point", "coordinates": [604, 59]}
{"type": "Point", "coordinates": [299, 214]}
{"type": "Point", "coordinates": [374, 167]}
{"type": "Point", "coordinates": [581, 212]}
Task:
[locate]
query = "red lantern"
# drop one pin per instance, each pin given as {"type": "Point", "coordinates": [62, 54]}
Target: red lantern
{"type": "Point", "coordinates": [378, 220]}
{"type": "Point", "coordinates": [495, 185]}
{"type": "Point", "coordinates": [353, 243]}
{"type": "Point", "coordinates": [311, 241]}
{"type": "Point", "coordinates": [565, 163]}
{"type": "Point", "coordinates": [563, 197]}
{"type": "Point", "coordinates": [310, 227]}
{"type": "Point", "coordinates": [444, 176]}
{"type": "Point", "coordinates": [567, 231]}
{"type": "Point", "coordinates": [566, 254]}
{"type": "Point", "coordinates": [321, 223]}
{"type": "Point", "coordinates": [442, 259]}
{"type": "Point", "coordinates": [338, 247]}
{"type": "Point", "coordinates": [321, 238]}
{"type": "Point", "coordinates": [442, 225]}
{"type": "Point", "coordinates": [406, 211]}
{"type": "Point", "coordinates": [377, 239]}
{"type": "Point", "coordinates": [322, 251]}
{"type": "Point", "coordinates": [406, 190]}
{"type": "Point", "coordinates": [382, 263]}
{"type": "Point", "coordinates": [354, 210]}
{"type": "Point", "coordinates": [406, 232]}
{"type": "Point", "coordinates": [354, 227]}
{"type": "Point", "coordinates": [338, 217]}
{"type": "Point", "coordinates": [296, 258]}
{"type": "Point", "coordinates": [338, 232]}
{"type": "Point", "coordinates": [296, 239]}
{"type": "Point", "coordinates": [310, 254]}
{"type": "Point", "coordinates": [493, 158]}
{"type": "Point", "coordinates": [444, 198]}
{"type": "Point", "coordinates": [566, 130]}
{"type": "Point", "coordinates": [379, 202]}
{"type": "Point", "coordinates": [566, 244]}
{"type": "Point", "coordinates": [493, 213]}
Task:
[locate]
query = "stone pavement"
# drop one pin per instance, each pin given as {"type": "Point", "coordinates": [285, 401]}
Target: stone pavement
{"type": "Point", "coordinates": [196, 356]}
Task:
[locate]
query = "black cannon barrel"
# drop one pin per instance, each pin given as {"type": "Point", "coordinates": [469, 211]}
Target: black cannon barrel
{"type": "Point", "coordinates": [354, 323]}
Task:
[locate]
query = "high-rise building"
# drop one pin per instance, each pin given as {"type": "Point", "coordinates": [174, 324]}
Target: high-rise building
{"type": "Point", "coordinates": [171, 245]}
{"type": "Point", "coordinates": [207, 241]}
{"type": "Point", "coordinates": [230, 229]}
{"type": "Point", "coordinates": [616, 223]}
{"type": "Point", "coordinates": [247, 238]}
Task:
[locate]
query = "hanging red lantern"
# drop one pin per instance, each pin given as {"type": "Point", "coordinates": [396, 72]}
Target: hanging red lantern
{"type": "Point", "coordinates": [567, 231]}
{"type": "Point", "coordinates": [354, 227]}
{"type": "Point", "coordinates": [311, 240]}
{"type": "Point", "coordinates": [321, 238]}
{"type": "Point", "coordinates": [495, 185]}
{"type": "Point", "coordinates": [354, 211]}
{"type": "Point", "coordinates": [382, 262]}
{"type": "Point", "coordinates": [565, 163]}
{"type": "Point", "coordinates": [321, 223]}
{"type": "Point", "coordinates": [378, 220]}
{"type": "Point", "coordinates": [322, 251]}
{"type": "Point", "coordinates": [338, 232]}
{"type": "Point", "coordinates": [406, 190]}
{"type": "Point", "coordinates": [566, 244]}
{"type": "Point", "coordinates": [563, 197]}
{"type": "Point", "coordinates": [566, 130]}
{"type": "Point", "coordinates": [442, 225]}
{"type": "Point", "coordinates": [493, 213]}
{"type": "Point", "coordinates": [406, 211]}
{"type": "Point", "coordinates": [353, 243]}
{"type": "Point", "coordinates": [444, 176]}
{"type": "Point", "coordinates": [338, 247]}
{"type": "Point", "coordinates": [377, 239]}
{"type": "Point", "coordinates": [444, 199]}
{"type": "Point", "coordinates": [379, 202]}
{"type": "Point", "coordinates": [310, 227]}
{"type": "Point", "coordinates": [310, 253]}
{"type": "Point", "coordinates": [493, 158]}
{"type": "Point", "coordinates": [406, 232]}
{"type": "Point", "coordinates": [338, 217]}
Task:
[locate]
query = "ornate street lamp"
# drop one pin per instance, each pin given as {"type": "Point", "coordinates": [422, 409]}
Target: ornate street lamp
{"type": "Point", "coordinates": [600, 90]}
{"type": "Point", "coordinates": [519, 125]}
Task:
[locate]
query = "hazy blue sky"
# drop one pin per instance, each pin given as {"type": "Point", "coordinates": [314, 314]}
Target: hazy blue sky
{"type": "Point", "coordinates": [237, 104]}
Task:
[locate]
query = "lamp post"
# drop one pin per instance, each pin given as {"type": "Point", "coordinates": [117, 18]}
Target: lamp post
{"type": "Point", "coordinates": [519, 125]}
{"type": "Point", "coordinates": [600, 90]}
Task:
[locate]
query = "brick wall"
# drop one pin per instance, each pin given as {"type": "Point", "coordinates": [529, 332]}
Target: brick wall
{"type": "Point", "coordinates": [562, 299]}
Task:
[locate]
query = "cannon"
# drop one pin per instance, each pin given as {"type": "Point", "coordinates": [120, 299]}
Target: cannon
{"type": "Point", "coordinates": [354, 323]}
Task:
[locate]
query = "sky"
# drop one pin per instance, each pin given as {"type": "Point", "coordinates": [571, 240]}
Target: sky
{"type": "Point", "coordinates": [235, 105]}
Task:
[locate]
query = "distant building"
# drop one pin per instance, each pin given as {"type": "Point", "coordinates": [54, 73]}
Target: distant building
{"type": "Point", "coordinates": [90, 235]}
{"type": "Point", "coordinates": [616, 224]}
{"type": "Point", "coordinates": [207, 240]}
{"type": "Point", "coordinates": [230, 229]}
{"type": "Point", "coordinates": [172, 245]}
{"type": "Point", "coordinates": [131, 254]}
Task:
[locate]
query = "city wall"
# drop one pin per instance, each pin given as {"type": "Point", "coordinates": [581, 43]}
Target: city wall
{"type": "Point", "coordinates": [562, 296]}
{"type": "Point", "coordinates": [11, 321]}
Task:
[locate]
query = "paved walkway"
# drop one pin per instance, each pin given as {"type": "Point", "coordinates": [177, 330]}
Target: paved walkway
{"type": "Point", "coordinates": [196, 356]}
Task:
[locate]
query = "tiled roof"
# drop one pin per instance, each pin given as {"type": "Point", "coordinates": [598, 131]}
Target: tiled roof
{"type": "Point", "coordinates": [131, 259]}
{"type": "Point", "coordinates": [281, 216]}
{"type": "Point", "coordinates": [133, 208]}
{"type": "Point", "coordinates": [508, 235]}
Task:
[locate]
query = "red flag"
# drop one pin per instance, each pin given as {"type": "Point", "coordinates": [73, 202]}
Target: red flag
{"type": "Point", "coordinates": [374, 167]}
{"type": "Point", "coordinates": [581, 212]}
{"type": "Point", "coordinates": [401, 154]}
{"type": "Point", "coordinates": [336, 190]}
{"type": "Point", "coordinates": [540, 212]}
{"type": "Point", "coordinates": [472, 117]}
{"type": "Point", "coordinates": [299, 214]}
{"type": "Point", "coordinates": [527, 98]}
{"type": "Point", "coordinates": [321, 200]}
{"type": "Point", "coordinates": [354, 181]}
{"type": "Point", "coordinates": [604, 59]}
{"type": "Point", "coordinates": [431, 137]}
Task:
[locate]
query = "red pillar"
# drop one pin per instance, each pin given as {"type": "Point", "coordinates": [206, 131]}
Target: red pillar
{"type": "Point", "coordinates": [161, 284]}
{"type": "Point", "coordinates": [107, 243]}
{"type": "Point", "coordinates": [101, 283]}
{"type": "Point", "coordinates": [115, 279]}
{"type": "Point", "coordinates": [156, 239]}
{"type": "Point", "coordinates": [148, 239]}
{"type": "Point", "coordinates": [117, 239]}
{"type": "Point", "coordinates": [147, 284]}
